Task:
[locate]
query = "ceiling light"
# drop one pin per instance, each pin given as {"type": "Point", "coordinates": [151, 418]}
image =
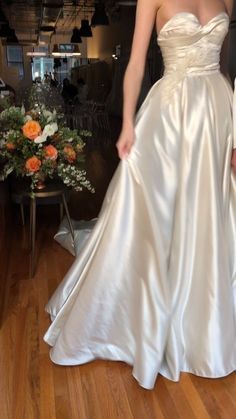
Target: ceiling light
{"type": "Point", "coordinates": [65, 50]}
{"type": "Point", "coordinates": [76, 38]}
{"type": "Point", "coordinates": [99, 17]}
{"type": "Point", "coordinates": [85, 30]}
{"type": "Point", "coordinates": [36, 54]}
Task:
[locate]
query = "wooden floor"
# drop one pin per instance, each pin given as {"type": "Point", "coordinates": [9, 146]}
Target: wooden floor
{"type": "Point", "coordinates": [32, 387]}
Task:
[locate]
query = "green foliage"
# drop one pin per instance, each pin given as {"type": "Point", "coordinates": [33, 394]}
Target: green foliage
{"type": "Point", "coordinates": [56, 151]}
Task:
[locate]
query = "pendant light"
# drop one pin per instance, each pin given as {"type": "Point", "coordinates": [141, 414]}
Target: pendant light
{"type": "Point", "coordinates": [85, 30]}
{"type": "Point", "coordinates": [76, 38]}
{"type": "Point", "coordinates": [5, 30]}
{"type": "Point", "coordinates": [55, 51]}
{"type": "Point", "coordinates": [12, 38]}
{"type": "Point", "coordinates": [99, 17]}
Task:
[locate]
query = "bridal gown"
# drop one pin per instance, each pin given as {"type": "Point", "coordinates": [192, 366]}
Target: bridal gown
{"type": "Point", "coordinates": [155, 284]}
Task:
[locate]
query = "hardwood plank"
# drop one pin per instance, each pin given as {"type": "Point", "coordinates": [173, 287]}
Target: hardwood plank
{"type": "Point", "coordinates": [143, 403]}
{"type": "Point", "coordinates": [47, 402]}
{"type": "Point", "coordinates": [167, 405]}
{"type": "Point", "coordinates": [229, 384]}
{"type": "Point", "coordinates": [180, 401]}
{"type": "Point", "coordinates": [203, 386]}
{"type": "Point", "coordinates": [224, 401]}
{"type": "Point", "coordinates": [21, 361]}
{"type": "Point", "coordinates": [76, 395]}
{"type": "Point", "coordinates": [108, 372]}
{"type": "Point", "coordinates": [193, 397]}
{"type": "Point", "coordinates": [61, 390]}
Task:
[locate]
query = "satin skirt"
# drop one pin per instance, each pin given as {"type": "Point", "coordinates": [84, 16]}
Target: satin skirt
{"type": "Point", "coordinates": [155, 284]}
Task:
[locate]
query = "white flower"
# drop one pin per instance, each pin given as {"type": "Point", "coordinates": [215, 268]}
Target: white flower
{"type": "Point", "coordinates": [40, 139]}
{"type": "Point", "coordinates": [9, 170]}
{"type": "Point", "coordinates": [46, 113]}
{"type": "Point", "coordinates": [50, 129]}
{"type": "Point", "coordinates": [27, 118]}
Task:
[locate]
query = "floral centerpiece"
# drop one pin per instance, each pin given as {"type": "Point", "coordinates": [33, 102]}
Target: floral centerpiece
{"type": "Point", "coordinates": [34, 144]}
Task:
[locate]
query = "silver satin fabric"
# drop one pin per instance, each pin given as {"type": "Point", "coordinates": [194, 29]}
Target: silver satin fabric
{"type": "Point", "coordinates": [154, 286]}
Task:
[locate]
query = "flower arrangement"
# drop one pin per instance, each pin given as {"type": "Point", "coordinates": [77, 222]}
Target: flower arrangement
{"type": "Point", "coordinates": [36, 145]}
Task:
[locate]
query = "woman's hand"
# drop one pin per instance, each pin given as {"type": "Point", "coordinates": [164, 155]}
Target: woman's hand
{"type": "Point", "coordinates": [126, 141]}
{"type": "Point", "coordinates": [233, 160]}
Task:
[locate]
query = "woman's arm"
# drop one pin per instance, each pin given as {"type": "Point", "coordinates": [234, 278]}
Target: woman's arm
{"type": "Point", "coordinates": [229, 6]}
{"type": "Point", "coordinates": [145, 18]}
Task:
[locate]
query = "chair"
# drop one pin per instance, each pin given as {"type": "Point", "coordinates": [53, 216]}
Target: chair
{"type": "Point", "coordinates": [53, 193]}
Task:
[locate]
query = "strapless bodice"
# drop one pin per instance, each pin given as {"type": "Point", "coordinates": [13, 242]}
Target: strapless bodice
{"type": "Point", "coordinates": [188, 46]}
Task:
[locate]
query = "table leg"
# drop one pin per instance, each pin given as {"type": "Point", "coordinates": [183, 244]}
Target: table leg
{"type": "Point", "coordinates": [68, 216]}
{"type": "Point", "coordinates": [22, 213]}
{"type": "Point", "coordinates": [30, 226]}
{"type": "Point", "coordinates": [61, 211]}
{"type": "Point", "coordinates": [32, 232]}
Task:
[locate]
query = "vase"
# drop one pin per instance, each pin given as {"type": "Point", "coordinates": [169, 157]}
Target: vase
{"type": "Point", "coordinates": [40, 184]}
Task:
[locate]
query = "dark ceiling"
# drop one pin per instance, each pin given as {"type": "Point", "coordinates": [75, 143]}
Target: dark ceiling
{"type": "Point", "coordinates": [28, 16]}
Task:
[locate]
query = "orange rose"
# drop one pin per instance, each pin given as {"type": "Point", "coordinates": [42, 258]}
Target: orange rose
{"type": "Point", "coordinates": [70, 153]}
{"type": "Point", "coordinates": [33, 164]}
{"type": "Point", "coordinates": [10, 146]}
{"type": "Point", "coordinates": [31, 129]}
{"type": "Point", "coordinates": [50, 152]}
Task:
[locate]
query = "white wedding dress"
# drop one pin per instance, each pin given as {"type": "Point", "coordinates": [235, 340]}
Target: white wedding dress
{"type": "Point", "coordinates": [155, 284]}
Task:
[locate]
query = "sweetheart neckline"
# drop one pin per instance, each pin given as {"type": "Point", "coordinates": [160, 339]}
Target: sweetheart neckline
{"type": "Point", "coordinates": [196, 18]}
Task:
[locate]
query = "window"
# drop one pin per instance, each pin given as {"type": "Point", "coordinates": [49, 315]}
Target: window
{"type": "Point", "coordinates": [41, 66]}
{"type": "Point", "coordinates": [15, 58]}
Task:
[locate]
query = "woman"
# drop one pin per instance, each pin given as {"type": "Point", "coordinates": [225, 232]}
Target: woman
{"type": "Point", "coordinates": [155, 284]}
